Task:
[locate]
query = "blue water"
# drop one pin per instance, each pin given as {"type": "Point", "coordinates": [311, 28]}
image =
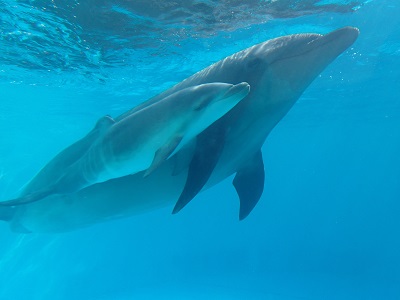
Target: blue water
{"type": "Point", "coordinates": [327, 226]}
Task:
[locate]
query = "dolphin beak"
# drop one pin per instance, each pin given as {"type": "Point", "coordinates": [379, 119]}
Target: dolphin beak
{"type": "Point", "coordinates": [308, 55]}
{"type": "Point", "coordinates": [342, 38]}
{"type": "Point", "coordinates": [334, 42]}
{"type": "Point", "coordinates": [239, 90]}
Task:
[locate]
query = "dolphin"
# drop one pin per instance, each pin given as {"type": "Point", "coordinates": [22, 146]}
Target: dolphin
{"type": "Point", "coordinates": [278, 71]}
{"type": "Point", "coordinates": [140, 141]}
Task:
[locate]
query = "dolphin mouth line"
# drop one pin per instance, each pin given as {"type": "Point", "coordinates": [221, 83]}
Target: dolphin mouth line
{"type": "Point", "coordinates": [305, 51]}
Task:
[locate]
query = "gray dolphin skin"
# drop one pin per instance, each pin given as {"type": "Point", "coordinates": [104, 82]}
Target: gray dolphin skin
{"type": "Point", "coordinates": [278, 71]}
{"type": "Point", "coordinates": [141, 141]}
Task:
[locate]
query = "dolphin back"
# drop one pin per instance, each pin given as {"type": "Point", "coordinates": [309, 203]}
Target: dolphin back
{"type": "Point", "coordinates": [53, 170]}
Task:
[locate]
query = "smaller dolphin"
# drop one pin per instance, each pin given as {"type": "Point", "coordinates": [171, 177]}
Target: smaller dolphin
{"type": "Point", "coordinates": [142, 140]}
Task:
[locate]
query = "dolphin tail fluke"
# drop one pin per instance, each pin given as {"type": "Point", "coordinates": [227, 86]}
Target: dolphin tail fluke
{"type": "Point", "coordinates": [208, 150]}
{"type": "Point", "coordinates": [249, 184]}
{"type": "Point", "coordinates": [29, 198]}
{"type": "Point", "coordinates": [6, 213]}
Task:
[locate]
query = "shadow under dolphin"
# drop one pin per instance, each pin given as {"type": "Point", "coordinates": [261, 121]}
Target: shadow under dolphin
{"type": "Point", "coordinates": [278, 71]}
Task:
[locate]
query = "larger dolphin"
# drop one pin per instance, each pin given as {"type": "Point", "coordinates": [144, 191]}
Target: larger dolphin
{"type": "Point", "coordinates": [278, 71]}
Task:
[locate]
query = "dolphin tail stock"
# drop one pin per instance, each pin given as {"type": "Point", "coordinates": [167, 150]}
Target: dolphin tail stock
{"type": "Point", "coordinates": [249, 184]}
{"type": "Point", "coordinates": [28, 198]}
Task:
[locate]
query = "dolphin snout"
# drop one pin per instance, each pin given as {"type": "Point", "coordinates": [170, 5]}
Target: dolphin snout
{"type": "Point", "coordinates": [239, 90]}
{"type": "Point", "coordinates": [348, 35]}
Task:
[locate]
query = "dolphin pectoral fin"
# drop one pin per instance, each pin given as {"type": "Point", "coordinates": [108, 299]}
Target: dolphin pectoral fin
{"type": "Point", "coordinates": [29, 198]}
{"type": "Point", "coordinates": [208, 150]}
{"type": "Point", "coordinates": [249, 184]}
{"type": "Point", "coordinates": [162, 154]}
{"type": "Point", "coordinates": [182, 159]}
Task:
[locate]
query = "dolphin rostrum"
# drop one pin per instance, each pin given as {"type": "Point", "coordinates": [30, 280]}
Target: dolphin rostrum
{"type": "Point", "coordinates": [278, 71]}
{"type": "Point", "coordinates": [144, 139]}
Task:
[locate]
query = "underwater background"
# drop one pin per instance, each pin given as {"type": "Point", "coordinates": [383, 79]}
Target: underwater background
{"type": "Point", "coordinates": [327, 226]}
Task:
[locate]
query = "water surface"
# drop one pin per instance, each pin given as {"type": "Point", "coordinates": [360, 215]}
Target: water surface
{"type": "Point", "coordinates": [327, 224]}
